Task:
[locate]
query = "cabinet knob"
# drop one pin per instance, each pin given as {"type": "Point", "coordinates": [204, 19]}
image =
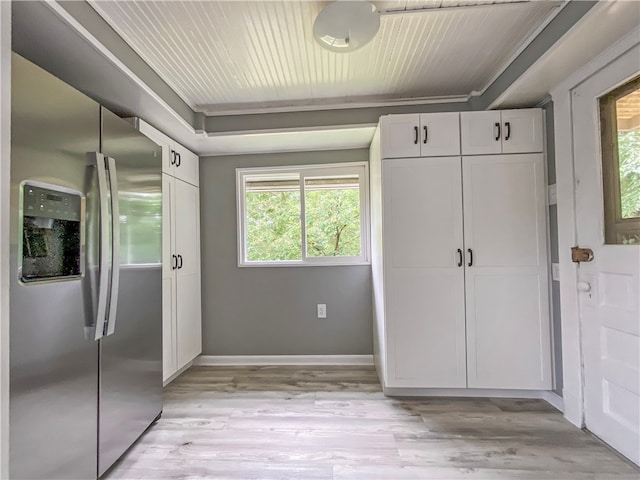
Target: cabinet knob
{"type": "Point", "coordinates": [497, 130]}
{"type": "Point", "coordinates": [426, 134]}
{"type": "Point", "coordinates": [415, 140]}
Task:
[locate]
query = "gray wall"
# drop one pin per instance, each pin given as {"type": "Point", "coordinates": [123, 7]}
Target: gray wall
{"type": "Point", "coordinates": [272, 310]}
{"type": "Point", "coordinates": [553, 251]}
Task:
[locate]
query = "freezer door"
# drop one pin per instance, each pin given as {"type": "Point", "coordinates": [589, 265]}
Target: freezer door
{"type": "Point", "coordinates": [54, 357]}
{"type": "Point", "coordinates": [131, 352]}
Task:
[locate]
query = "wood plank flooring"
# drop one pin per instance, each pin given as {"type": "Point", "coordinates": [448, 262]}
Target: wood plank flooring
{"type": "Point", "coordinates": [334, 423]}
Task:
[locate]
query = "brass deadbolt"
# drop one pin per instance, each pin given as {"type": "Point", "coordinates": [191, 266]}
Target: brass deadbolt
{"type": "Point", "coordinates": [579, 255]}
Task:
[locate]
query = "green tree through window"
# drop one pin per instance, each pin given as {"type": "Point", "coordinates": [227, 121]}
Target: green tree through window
{"type": "Point", "coordinates": [320, 207]}
{"type": "Point", "coordinates": [629, 164]}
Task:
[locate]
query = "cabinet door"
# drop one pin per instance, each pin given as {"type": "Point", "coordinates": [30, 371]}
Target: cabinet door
{"type": "Point", "coordinates": [481, 132]}
{"type": "Point", "coordinates": [522, 131]}
{"type": "Point", "coordinates": [187, 165]}
{"type": "Point", "coordinates": [400, 135]}
{"type": "Point", "coordinates": [507, 304]}
{"type": "Point", "coordinates": [188, 307]}
{"type": "Point", "coordinates": [422, 215]}
{"type": "Point", "coordinates": [169, 366]}
{"type": "Point", "coordinates": [439, 134]}
{"type": "Point", "coordinates": [162, 140]}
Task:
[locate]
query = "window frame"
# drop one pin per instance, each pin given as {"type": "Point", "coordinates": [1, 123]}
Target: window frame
{"type": "Point", "coordinates": [306, 171]}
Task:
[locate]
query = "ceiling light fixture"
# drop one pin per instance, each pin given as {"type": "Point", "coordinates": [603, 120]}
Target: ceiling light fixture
{"type": "Point", "coordinates": [346, 25]}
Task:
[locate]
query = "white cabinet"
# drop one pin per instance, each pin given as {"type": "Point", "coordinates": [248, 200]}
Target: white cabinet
{"type": "Point", "coordinates": [169, 315]}
{"type": "Point", "coordinates": [506, 131]}
{"type": "Point", "coordinates": [181, 287]}
{"type": "Point", "coordinates": [177, 161]}
{"type": "Point", "coordinates": [186, 164]}
{"type": "Point", "coordinates": [462, 300]}
{"type": "Point", "coordinates": [181, 291]}
{"type": "Point", "coordinates": [187, 271]}
{"type": "Point", "coordinates": [420, 135]}
{"type": "Point", "coordinates": [506, 278]}
{"type": "Point", "coordinates": [422, 203]}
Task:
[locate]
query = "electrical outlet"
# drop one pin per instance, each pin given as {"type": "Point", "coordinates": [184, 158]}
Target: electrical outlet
{"type": "Point", "coordinates": [553, 194]}
{"type": "Point", "coordinates": [555, 271]}
{"type": "Point", "coordinates": [322, 310]}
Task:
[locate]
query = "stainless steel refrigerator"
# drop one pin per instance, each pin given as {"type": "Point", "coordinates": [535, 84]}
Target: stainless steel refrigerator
{"type": "Point", "coordinates": [86, 293]}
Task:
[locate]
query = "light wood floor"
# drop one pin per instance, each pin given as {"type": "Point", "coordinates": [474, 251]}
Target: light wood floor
{"type": "Point", "coordinates": [335, 423]}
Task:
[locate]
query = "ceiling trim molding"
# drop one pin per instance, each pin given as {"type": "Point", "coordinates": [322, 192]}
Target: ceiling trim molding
{"type": "Point", "coordinates": [551, 34]}
{"type": "Point", "coordinates": [91, 19]}
{"type": "Point", "coordinates": [211, 111]}
{"type": "Point", "coordinates": [199, 130]}
{"type": "Point", "coordinates": [614, 51]}
{"type": "Point", "coordinates": [353, 126]}
{"type": "Point", "coordinates": [430, 9]}
{"type": "Point", "coordinates": [207, 153]}
{"type": "Point", "coordinates": [105, 52]}
{"type": "Point", "coordinates": [321, 118]}
{"type": "Point", "coordinates": [558, 6]}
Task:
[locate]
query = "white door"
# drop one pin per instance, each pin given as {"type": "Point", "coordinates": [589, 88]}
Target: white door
{"type": "Point", "coordinates": [522, 130]}
{"type": "Point", "coordinates": [481, 132]}
{"type": "Point", "coordinates": [609, 313]}
{"type": "Point", "coordinates": [168, 278]}
{"type": "Point", "coordinates": [188, 296]}
{"type": "Point", "coordinates": [400, 135]}
{"type": "Point", "coordinates": [439, 134]}
{"type": "Point", "coordinates": [424, 277]}
{"type": "Point", "coordinates": [187, 165]}
{"type": "Point", "coordinates": [508, 331]}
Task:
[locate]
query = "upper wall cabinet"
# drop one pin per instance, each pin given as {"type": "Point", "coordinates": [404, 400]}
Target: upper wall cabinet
{"type": "Point", "coordinates": [177, 161]}
{"type": "Point", "coordinates": [420, 135]}
{"type": "Point", "coordinates": [506, 131]}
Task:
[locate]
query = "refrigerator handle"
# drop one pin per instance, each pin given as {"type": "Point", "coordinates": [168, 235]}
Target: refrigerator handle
{"type": "Point", "coordinates": [115, 245]}
{"type": "Point", "coordinates": [103, 291]}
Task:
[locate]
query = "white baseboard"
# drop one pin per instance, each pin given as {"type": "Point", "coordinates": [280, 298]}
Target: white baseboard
{"type": "Point", "coordinates": [176, 375]}
{"type": "Point", "coordinates": [228, 360]}
{"type": "Point", "coordinates": [474, 392]}
{"type": "Point", "coordinates": [554, 400]}
{"type": "Point", "coordinates": [573, 408]}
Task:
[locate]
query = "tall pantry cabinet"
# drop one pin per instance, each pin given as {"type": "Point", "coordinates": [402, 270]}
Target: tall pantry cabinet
{"type": "Point", "coordinates": [181, 286]}
{"type": "Point", "coordinates": [460, 252]}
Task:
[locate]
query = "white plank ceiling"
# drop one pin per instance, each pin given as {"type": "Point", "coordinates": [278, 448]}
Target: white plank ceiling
{"type": "Point", "coordinates": [244, 56]}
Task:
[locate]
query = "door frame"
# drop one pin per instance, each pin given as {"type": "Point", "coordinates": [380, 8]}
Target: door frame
{"type": "Point", "coordinates": [572, 354]}
{"type": "Point", "coordinates": [5, 155]}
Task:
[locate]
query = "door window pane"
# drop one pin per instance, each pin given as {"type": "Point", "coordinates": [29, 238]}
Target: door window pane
{"type": "Point", "coordinates": [620, 130]}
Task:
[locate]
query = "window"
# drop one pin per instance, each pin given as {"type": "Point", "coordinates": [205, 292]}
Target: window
{"type": "Point", "coordinates": [620, 132]}
{"type": "Point", "coordinates": [303, 215]}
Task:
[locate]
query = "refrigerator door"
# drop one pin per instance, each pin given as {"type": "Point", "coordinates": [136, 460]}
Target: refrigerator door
{"type": "Point", "coordinates": [53, 372]}
{"type": "Point", "coordinates": [131, 352]}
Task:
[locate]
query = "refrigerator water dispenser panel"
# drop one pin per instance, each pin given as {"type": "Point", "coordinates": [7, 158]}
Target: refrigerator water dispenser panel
{"type": "Point", "coordinates": [51, 220]}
